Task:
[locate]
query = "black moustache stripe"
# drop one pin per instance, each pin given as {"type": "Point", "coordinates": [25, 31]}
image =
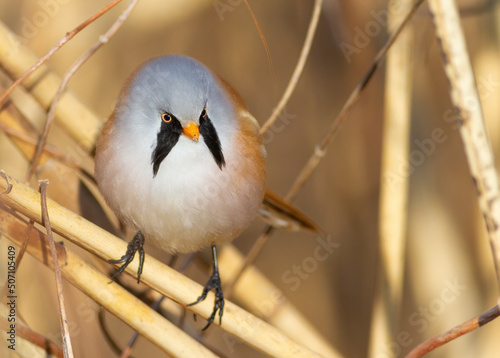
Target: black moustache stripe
{"type": "Point", "coordinates": [167, 138]}
{"type": "Point", "coordinates": [207, 130]}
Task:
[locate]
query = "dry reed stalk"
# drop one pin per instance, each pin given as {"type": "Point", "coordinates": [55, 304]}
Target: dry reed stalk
{"type": "Point", "coordinates": [270, 302]}
{"type": "Point", "coordinates": [15, 58]}
{"type": "Point", "coordinates": [261, 241]}
{"type": "Point", "coordinates": [22, 140]}
{"type": "Point", "coordinates": [472, 127]}
{"type": "Point", "coordinates": [156, 275]}
{"type": "Point", "coordinates": [264, 42]}
{"type": "Point", "coordinates": [89, 121]}
{"type": "Point", "coordinates": [63, 317]}
{"type": "Point", "coordinates": [28, 343]}
{"type": "Point", "coordinates": [69, 35]}
{"type": "Point", "coordinates": [67, 77]}
{"type": "Point", "coordinates": [464, 328]}
{"type": "Point", "coordinates": [320, 149]}
{"type": "Point", "coordinates": [297, 72]}
{"type": "Point", "coordinates": [27, 146]}
{"type": "Point", "coordinates": [393, 202]}
{"type": "Point", "coordinates": [307, 336]}
{"type": "Point", "coordinates": [113, 297]}
{"type": "Point", "coordinates": [486, 64]}
{"type": "Point", "coordinates": [26, 142]}
{"type": "Point", "coordinates": [477, 147]}
{"type": "Point", "coordinates": [487, 67]}
{"type": "Point", "coordinates": [18, 45]}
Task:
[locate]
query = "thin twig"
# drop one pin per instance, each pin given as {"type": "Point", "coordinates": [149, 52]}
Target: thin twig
{"type": "Point", "coordinates": [60, 44]}
{"type": "Point", "coordinates": [477, 148]}
{"type": "Point", "coordinates": [101, 316]}
{"type": "Point", "coordinates": [22, 331]}
{"type": "Point", "coordinates": [472, 126]}
{"type": "Point", "coordinates": [68, 349]}
{"type": "Point", "coordinates": [37, 339]}
{"type": "Point", "coordinates": [466, 327]}
{"type": "Point", "coordinates": [167, 281]}
{"type": "Point", "coordinates": [48, 149]}
{"type": "Point", "coordinates": [320, 149]}
{"type": "Point", "coordinates": [126, 353]}
{"type": "Point", "coordinates": [15, 57]}
{"type": "Point", "coordinates": [91, 282]}
{"type": "Point", "coordinates": [264, 42]}
{"type": "Point", "coordinates": [299, 68]}
{"type": "Point", "coordinates": [261, 241]}
{"type": "Point", "coordinates": [69, 74]}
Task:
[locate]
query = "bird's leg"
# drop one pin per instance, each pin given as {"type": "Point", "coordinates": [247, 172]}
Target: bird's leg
{"type": "Point", "coordinates": [136, 244]}
{"type": "Point", "coordinates": [213, 282]}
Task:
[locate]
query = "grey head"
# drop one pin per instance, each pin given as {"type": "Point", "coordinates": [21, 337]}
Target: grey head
{"type": "Point", "coordinates": [185, 90]}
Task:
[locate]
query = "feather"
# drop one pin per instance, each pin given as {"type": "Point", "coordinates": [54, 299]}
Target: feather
{"type": "Point", "coordinates": [278, 212]}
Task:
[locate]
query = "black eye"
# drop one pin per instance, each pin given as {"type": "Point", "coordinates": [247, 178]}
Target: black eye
{"type": "Point", "coordinates": [204, 113]}
{"type": "Point", "coordinates": [166, 117]}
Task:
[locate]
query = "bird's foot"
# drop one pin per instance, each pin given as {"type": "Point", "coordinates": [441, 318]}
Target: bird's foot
{"type": "Point", "coordinates": [135, 245]}
{"type": "Point", "coordinates": [213, 282]}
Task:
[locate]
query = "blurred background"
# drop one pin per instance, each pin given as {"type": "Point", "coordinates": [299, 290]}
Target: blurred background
{"type": "Point", "coordinates": [449, 275]}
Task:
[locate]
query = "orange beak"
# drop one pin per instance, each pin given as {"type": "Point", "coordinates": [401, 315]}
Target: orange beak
{"type": "Point", "coordinates": [191, 131]}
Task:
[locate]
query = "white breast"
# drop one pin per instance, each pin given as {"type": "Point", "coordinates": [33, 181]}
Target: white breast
{"type": "Point", "coordinates": [190, 203]}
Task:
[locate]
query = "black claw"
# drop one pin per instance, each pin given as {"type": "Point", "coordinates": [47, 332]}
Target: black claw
{"type": "Point", "coordinates": [213, 282]}
{"type": "Point", "coordinates": [135, 245]}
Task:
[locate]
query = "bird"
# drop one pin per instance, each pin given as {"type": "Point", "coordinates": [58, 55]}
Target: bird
{"type": "Point", "coordinates": [181, 161]}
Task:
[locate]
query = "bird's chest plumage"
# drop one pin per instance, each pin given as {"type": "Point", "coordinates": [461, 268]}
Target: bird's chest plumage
{"type": "Point", "coordinates": [191, 202]}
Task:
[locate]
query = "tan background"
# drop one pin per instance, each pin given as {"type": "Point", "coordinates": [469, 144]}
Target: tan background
{"type": "Point", "coordinates": [447, 241]}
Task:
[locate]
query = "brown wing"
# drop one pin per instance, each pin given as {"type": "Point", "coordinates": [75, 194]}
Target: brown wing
{"type": "Point", "coordinates": [278, 212]}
